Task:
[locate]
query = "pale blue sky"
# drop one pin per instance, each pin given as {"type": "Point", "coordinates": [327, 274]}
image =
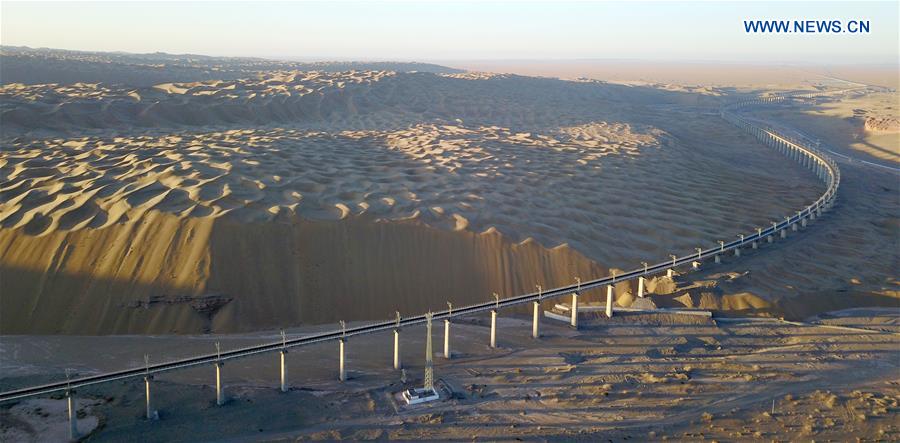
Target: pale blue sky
{"type": "Point", "coordinates": [446, 31]}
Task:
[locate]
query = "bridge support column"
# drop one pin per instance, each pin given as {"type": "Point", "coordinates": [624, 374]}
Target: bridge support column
{"type": "Point", "coordinates": [574, 320]}
{"type": "Point", "coordinates": [397, 349]}
{"type": "Point", "coordinates": [447, 339]}
{"type": "Point", "coordinates": [73, 416]}
{"type": "Point", "coordinates": [342, 373]}
{"type": "Point", "coordinates": [493, 328]}
{"type": "Point", "coordinates": [150, 412]}
{"type": "Point", "coordinates": [641, 287]}
{"type": "Point", "coordinates": [220, 396]}
{"type": "Point", "coordinates": [609, 301]}
{"type": "Point", "coordinates": [535, 326]}
{"type": "Point", "coordinates": [283, 354]}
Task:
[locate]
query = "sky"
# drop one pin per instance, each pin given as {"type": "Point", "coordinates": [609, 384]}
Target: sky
{"type": "Point", "coordinates": [436, 31]}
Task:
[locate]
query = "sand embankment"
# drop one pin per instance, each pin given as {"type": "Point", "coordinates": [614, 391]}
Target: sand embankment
{"type": "Point", "coordinates": [167, 274]}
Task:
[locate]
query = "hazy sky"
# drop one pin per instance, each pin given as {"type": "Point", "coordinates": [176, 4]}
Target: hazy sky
{"type": "Point", "coordinates": [447, 31]}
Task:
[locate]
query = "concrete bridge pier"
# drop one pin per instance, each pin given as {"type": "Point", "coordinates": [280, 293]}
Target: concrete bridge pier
{"type": "Point", "coordinates": [283, 355]}
{"type": "Point", "coordinates": [535, 326]}
{"type": "Point", "coordinates": [220, 396]}
{"type": "Point", "coordinates": [397, 364]}
{"type": "Point", "coordinates": [447, 339]}
{"type": "Point", "coordinates": [609, 301]}
{"type": "Point", "coordinates": [73, 416]}
{"type": "Point", "coordinates": [342, 373]}
{"type": "Point", "coordinates": [493, 328]}
{"type": "Point", "coordinates": [151, 414]}
{"type": "Point", "coordinates": [641, 286]}
{"type": "Point", "coordinates": [574, 319]}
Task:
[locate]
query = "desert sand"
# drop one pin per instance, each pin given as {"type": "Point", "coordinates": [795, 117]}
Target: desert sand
{"type": "Point", "coordinates": [867, 124]}
{"type": "Point", "coordinates": [633, 377]}
{"type": "Point", "coordinates": [690, 73]}
{"type": "Point", "coordinates": [184, 207]}
{"type": "Point", "coordinates": [189, 200]}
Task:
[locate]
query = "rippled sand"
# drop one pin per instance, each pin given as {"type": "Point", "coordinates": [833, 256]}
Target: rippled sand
{"type": "Point", "coordinates": [311, 196]}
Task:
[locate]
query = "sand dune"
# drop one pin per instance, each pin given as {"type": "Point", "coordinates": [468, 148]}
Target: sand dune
{"type": "Point", "coordinates": [306, 197]}
{"type": "Point", "coordinates": [45, 65]}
